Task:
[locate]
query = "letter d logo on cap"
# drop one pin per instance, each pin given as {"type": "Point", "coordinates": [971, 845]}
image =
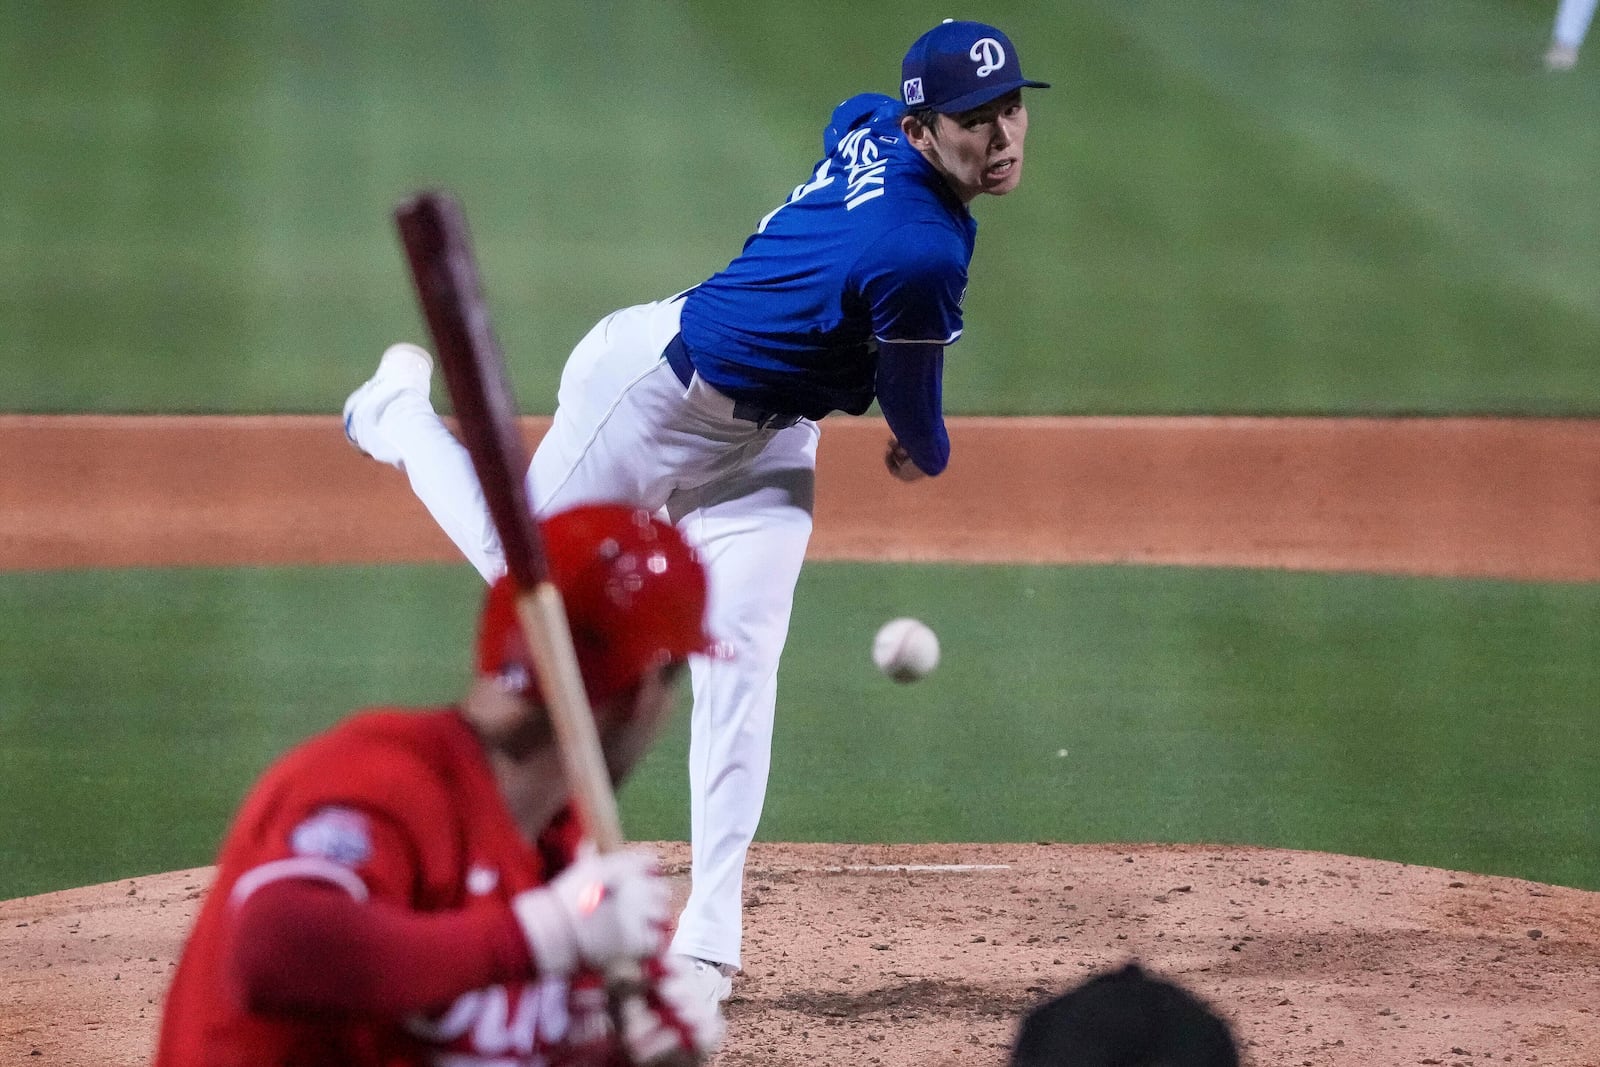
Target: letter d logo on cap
{"type": "Point", "coordinates": [987, 53]}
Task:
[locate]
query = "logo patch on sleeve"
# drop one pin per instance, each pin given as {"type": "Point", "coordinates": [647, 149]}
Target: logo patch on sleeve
{"type": "Point", "coordinates": [337, 834]}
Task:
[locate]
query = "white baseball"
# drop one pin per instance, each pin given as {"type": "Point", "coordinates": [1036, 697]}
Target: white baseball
{"type": "Point", "coordinates": [905, 650]}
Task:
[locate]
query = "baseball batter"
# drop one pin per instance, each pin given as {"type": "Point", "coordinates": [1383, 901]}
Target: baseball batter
{"type": "Point", "coordinates": [408, 887]}
{"type": "Point", "coordinates": [705, 405]}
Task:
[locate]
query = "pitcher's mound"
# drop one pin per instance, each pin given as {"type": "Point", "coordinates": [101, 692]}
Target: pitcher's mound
{"type": "Point", "coordinates": [929, 954]}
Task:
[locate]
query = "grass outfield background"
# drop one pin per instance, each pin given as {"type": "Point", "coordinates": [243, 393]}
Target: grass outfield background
{"type": "Point", "coordinates": [1445, 723]}
{"type": "Point", "coordinates": [1299, 206]}
{"type": "Point", "coordinates": [1229, 206]}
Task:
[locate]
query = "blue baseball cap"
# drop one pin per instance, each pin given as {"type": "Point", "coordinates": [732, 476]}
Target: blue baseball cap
{"type": "Point", "coordinates": [957, 66]}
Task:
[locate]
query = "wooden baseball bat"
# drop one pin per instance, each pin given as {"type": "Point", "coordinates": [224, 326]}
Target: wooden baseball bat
{"type": "Point", "coordinates": [433, 230]}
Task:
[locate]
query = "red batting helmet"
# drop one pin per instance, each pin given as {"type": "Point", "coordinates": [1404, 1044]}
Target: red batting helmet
{"type": "Point", "coordinates": [634, 591]}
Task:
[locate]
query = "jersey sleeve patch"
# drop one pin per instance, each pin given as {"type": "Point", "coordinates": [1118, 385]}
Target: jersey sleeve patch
{"type": "Point", "coordinates": [342, 835]}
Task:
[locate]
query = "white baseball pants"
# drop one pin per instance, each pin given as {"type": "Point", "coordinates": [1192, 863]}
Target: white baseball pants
{"type": "Point", "coordinates": [1572, 22]}
{"type": "Point", "coordinates": [626, 429]}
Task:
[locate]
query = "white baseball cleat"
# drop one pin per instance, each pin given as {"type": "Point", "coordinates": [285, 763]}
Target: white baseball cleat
{"type": "Point", "coordinates": [404, 370]}
{"type": "Point", "coordinates": [713, 982]}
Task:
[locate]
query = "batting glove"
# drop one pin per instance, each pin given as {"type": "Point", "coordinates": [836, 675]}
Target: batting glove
{"type": "Point", "coordinates": [602, 910]}
{"type": "Point", "coordinates": [673, 1024]}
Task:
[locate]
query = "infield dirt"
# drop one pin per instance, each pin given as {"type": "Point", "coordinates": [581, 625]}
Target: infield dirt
{"type": "Point", "coordinates": [901, 955]}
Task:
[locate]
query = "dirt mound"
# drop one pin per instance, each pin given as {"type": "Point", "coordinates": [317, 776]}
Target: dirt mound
{"type": "Point", "coordinates": [928, 955]}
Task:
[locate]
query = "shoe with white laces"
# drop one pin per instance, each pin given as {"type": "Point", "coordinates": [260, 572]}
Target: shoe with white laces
{"type": "Point", "coordinates": [404, 370]}
{"type": "Point", "coordinates": [712, 981]}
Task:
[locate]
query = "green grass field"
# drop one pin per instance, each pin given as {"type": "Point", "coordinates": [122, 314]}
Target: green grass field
{"type": "Point", "coordinates": [1229, 206]}
{"type": "Point", "coordinates": [1443, 723]}
{"type": "Point", "coordinates": [1344, 207]}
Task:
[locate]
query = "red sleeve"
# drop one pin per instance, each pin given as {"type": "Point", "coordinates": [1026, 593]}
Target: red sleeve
{"type": "Point", "coordinates": [302, 945]}
{"type": "Point", "coordinates": [360, 806]}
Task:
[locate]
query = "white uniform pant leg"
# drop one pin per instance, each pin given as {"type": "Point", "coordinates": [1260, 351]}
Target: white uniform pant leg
{"type": "Point", "coordinates": [626, 429]}
{"type": "Point", "coordinates": [1572, 22]}
{"type": "Point", "coordinates": [610, 440]}
{"type": "Point", "coordinates": [573, 458]}
{"type": "Point", "coordinates": [441, 475]}
{"type": "Point", "coordinates": [752, 529]}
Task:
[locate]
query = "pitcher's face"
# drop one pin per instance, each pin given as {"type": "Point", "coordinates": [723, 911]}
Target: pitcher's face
{"type": "Point", "coordinates": [978, 151]}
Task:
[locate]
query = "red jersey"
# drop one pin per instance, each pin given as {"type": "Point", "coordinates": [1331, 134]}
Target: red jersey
{"type": "Point", "coordinates": [387, 806]}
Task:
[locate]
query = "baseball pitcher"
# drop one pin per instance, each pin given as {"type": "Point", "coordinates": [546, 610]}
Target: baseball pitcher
{"type": "Point", "coordinates": [704, 407]}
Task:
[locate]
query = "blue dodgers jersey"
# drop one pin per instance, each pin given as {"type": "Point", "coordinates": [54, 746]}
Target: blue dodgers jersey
{"type": "Point", "coordinates": [873, 249]}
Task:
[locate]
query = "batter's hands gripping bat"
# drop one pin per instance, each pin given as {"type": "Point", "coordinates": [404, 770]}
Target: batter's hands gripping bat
{"type": "Point", "coordinates": [434, 233]}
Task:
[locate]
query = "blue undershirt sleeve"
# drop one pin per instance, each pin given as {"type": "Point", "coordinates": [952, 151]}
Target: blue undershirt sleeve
{"type": "Point", "coordinates": [910, 393]}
